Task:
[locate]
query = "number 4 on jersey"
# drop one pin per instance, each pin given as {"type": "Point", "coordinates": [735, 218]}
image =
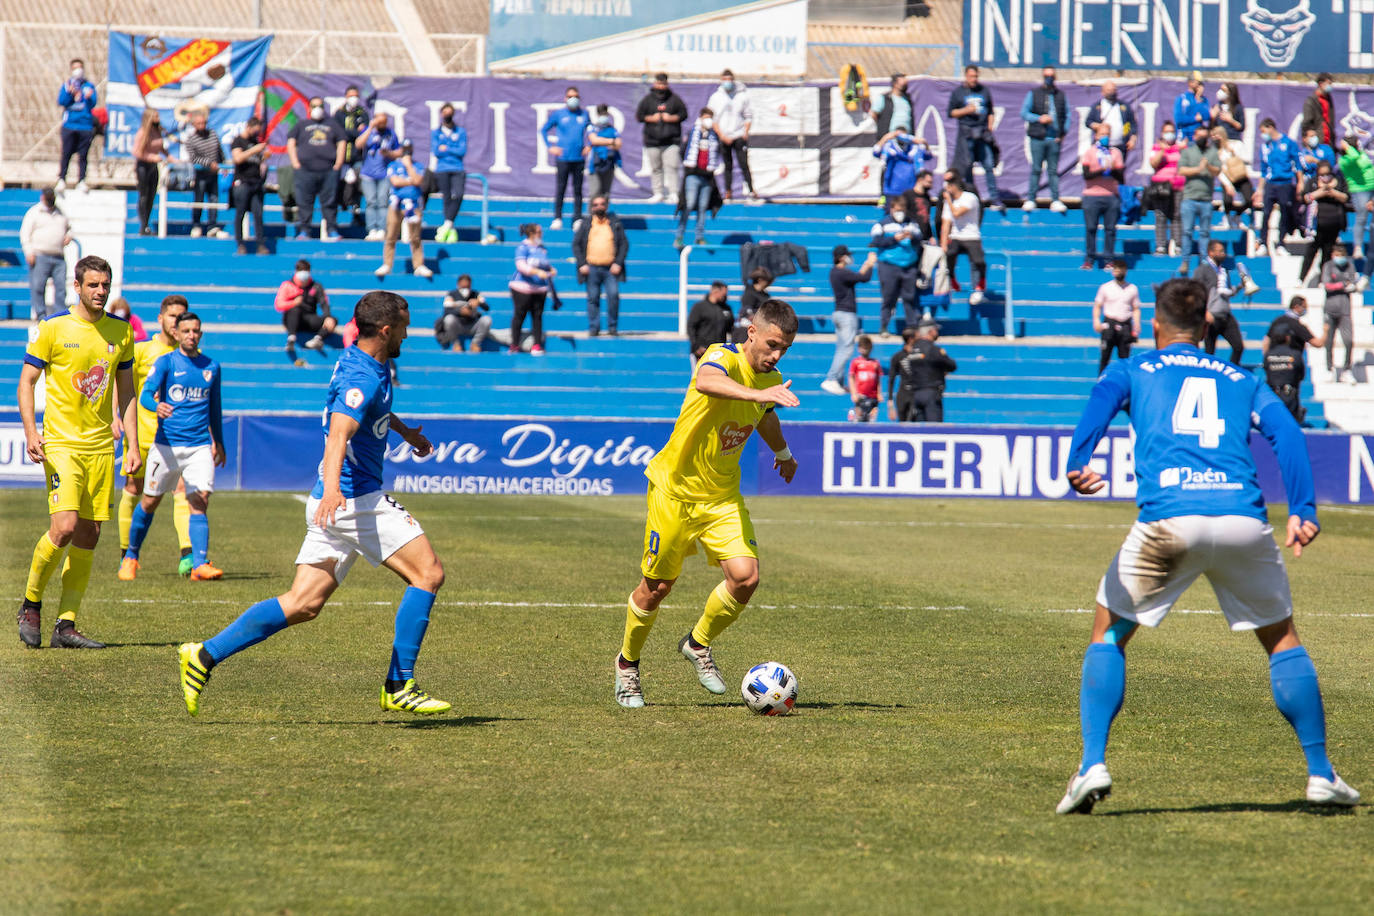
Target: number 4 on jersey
{"type": "Point", "coordinates": [1196, 414]}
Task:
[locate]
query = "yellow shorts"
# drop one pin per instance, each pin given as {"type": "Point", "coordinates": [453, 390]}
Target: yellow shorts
{"type": "Point", "coordinates": [78, 483]}
{"type": "Point", "coordinates": [673, 528]}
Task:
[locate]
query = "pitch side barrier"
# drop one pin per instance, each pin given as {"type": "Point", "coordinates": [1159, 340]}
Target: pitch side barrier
{"type": "Point", "coordinates": [591, 457]}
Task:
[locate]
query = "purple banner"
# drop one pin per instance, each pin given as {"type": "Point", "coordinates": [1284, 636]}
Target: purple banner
{"type": "Point", "coordinates": [803, 142]}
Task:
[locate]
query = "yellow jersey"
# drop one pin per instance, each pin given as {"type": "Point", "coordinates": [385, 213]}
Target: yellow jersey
{"type": "Point", "coordinates": [80, 359]}
{"type": "Point", "coordinates": [145, 354]}
{"type": "Point", "coordinates": [700, 463]}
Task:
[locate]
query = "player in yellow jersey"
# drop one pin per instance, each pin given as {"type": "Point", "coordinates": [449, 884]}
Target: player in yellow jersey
{"type": "Point", "coordinates": [694, 493]}
{"type": "Point", "coordinates": [145, 354]}
{"type": "Point", "coordinates": [88, 357]}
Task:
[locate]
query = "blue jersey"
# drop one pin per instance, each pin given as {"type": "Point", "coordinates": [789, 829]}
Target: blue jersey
{"type": "Point", "coordinates": [191, 385]}
{"type": "Point", "coordinates": [449, 145]}
{"type": "Point", "coordinates": [360, 389]}
{"type": "Point", "coordinates": [1280, 161]}
{"type": "Point", "coordinates": [565, 129]}
{"type": "Point", "coordinates": [1192, 415]}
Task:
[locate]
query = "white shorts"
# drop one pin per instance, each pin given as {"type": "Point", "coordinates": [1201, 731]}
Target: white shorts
{"type": "Point", "coordinates": [1159, 560]}
{"type": "Point", "coordinates": [374, 526]}
{"type": "Point", "coordinates": [169, 463]}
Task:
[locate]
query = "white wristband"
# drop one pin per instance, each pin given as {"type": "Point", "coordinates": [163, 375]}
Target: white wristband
{"type": "Point", "coordinates": [783, 454]}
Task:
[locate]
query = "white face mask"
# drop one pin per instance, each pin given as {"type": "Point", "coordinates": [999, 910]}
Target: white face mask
{"type": "Point", "coordinates": [302, 278]}
{"type": "Point", "coordinates": [1168, 136]}
{"type": "Point", "coordinates": [899, 216]}
{"type": "Point", "coordinates": [604, 121]}
{"type": "Point", "coordinates": [706, 123]}
{"type": "Point", "coordinates": [78, 73]}
{"type": "Point", "coordinates": [351, 103]}
{"type": "Point", "coordinates": [1222, 96]}
{"type": "Point", "coordinates": [317, 112]}
{"type": "Point", "coordinates": [463, 291]}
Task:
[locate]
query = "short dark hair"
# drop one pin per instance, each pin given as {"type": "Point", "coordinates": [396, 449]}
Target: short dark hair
{"type": "Point", "coordinates": [529, 229]}
{"type": "Point", "coordinates": [719, 284]}
{"type": "Point", "coordinates": [316, 98]}
{"type": "Point", "coordinates": [188, 316]}
{"type": "Point", "coordinates": [92, 262]}
{"type": "Point", "coordinates": [865, 342]}
{"type": "Point", "coordinates": [1118, 262]}
{"type": "Point", "coordinates": [705, 111]}
{"type": "Point", "coordinates": [172, 300]}
{"type": "Point", "coordinates": [1182, 304]}
{"type": "Point", "coordinates": [377, 309]}
{"type": "Point", "coordinates": [760, 273]}
{"type": "Point", "coordinates": [973, 67]}
{"type": "Point", "coordinates": [1216, 243]}
{"type": "Point", "coordinates": [302, 264]}
{"type": "Point", "coordinates": [1296, 301]}
{"type": "Point", "coordinates": [1325, 77]}
{"type": "Point", "coordinates": [253, 121]}
{"type": "Point", "coordinates": [954, 181]}
{"type": "Point", "coordinates": [76, 60]}
{"type": "Point", "coordinates": [779, 314]}
{"type": "Point", "coordinates": [1268, 122]}
{"type": "Point", "coordinates": [467, 277]}
{"type": "Point", "coordinates": [572, 89]}
{"type": "Point", "coordinates": [908, 334]}
{"type": "Point", "coordinates": [660, 77]}
{"type": "Point", "coordinates": [603, 109]}
{"type": "Point", "coordinates": [352, 87]}
{"type": "Point", "coordinates": [728, 72]}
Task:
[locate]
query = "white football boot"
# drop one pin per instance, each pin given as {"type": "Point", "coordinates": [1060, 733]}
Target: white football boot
{"type": "Point", "coordinates": [1087, 790]}
{"type": "Point", "coordinates": [1322, 791]}
{"type": "Point", "coordinates": [627, 689]}
{"type": "Point", "coordinates": [701, 659]}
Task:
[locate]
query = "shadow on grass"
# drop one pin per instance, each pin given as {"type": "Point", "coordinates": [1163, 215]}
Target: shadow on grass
{"type": "Point", "coordinates": [454, 721]}
{"type": "Point", "coordinates": [1239, 808]}
{"type": "Point", "coordinates": [443, 722]}
{"type": "Point", "coordinates": [850, 704]}
{"type": "Point", "coordinates": [145, 645]}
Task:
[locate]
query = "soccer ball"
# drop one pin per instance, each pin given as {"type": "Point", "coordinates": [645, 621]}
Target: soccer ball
{"type": "Point", "coordinates": [769, 689]}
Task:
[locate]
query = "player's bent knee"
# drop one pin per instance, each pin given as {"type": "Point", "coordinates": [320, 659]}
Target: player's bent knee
{"type": "Point", "coordinates": [430, 578]}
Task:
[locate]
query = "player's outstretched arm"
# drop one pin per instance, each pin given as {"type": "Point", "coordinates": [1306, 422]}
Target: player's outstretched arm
{"type": "Point", "coordinates": [770, 431]}
{"type": "Point", "coordinates": [1107, 397]}
{"type": "Point", "coordinates": [341, 429]}
{"type": "Point", "coordinates": [412, 435]}
{"type": "Point", "coordinates": [28, 378]}
{"type": "Point", "coordinates": [715, 383]}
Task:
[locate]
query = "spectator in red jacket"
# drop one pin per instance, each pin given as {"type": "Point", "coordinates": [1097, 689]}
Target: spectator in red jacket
{"type": "Point", "coordinates": [304, 305]}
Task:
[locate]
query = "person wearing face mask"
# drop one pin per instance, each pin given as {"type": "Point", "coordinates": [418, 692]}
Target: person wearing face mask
{"type": "Point", "coordinates": [203, 148]}
{"type": "Point", "coordinates": [898, 243]}
{"type": "Point", "coordinates": [405, 207]}
{"type": "Point", "coordinates": [600, 248]}
{"type": "Point", "coordinates": [1199, 165]}
{"type": "Point", "coordinates": [1319, 111]}
{"type": "Point", "coordinates": [603, 140]}
{"type": "Point", "coordinates": [77, 99]}
{"type": "Point", "coordinates": [961, 233]}
{"type": "Point", "coordinates": [463, 316]}
{"type": "Point", "coordinates": [1236, 188]}
{"type": "Point", "coordinates": [1116, 315]}
{"type": "Point", "coordinates": [1358, 171]}
{"type": "Point", "coordinates": [902, 157]}
{"type": "Point", "coordinates": [1314, 153]}
{"type": "Point", "coordinates": [1101, 204]}
{"type": "Point", "coordinates": [249, 153]}
{"type": "Point", "coordinates": [1221, 322]}
{"type": "Point", "coordinates": [1327, 197]}
{"type": "Point", "coordinates": [379, 146]}
{"type": "Point", "coordinates": [1229, 112]}
{"type": "Point", "coordinates": [43, 235]}
{"type": "Point", "coordinates": [1165, 193]}
{"type": "Point", "coordinates": [970, 104]}
{"type": "Point", "coordinates": [564, 132]}
{"type": "Point", "coordinates": [1114, 111]}
{"type": "Point", "coordinates": [304, 306]}
{"type": "Point", "coordinates": [352, 118]}
{"type": "Point", "coordinates": [316, 149]}
{"type": "Point", "coordinates": [710, 320]}
{"type": "Point", "coordinates": [1338, 279]}
{"type": "Point", "coordinates": [699, 193]}
{"type": "Point", "coordinates": [448, 143]}
{"type": "Point", "coordinates": [734, 114]}
{"type": "Point", "coordinates": [1280, 164]}
{"type": "Point", "coordinates": [1046, 113]}
{"type": "Point", "coordinates": [149, 150]}
{"type": "Point", "coordinates": [662, 112]}
{"type": "Point", "coordinates": [1191, 110]}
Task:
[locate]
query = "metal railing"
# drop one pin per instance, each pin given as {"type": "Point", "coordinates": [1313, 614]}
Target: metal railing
{"type": "Point", "coordinates": [829, 57]}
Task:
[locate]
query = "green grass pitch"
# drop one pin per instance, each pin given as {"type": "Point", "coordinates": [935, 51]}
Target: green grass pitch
{"type": "Point", "coordinates": [938, 653]}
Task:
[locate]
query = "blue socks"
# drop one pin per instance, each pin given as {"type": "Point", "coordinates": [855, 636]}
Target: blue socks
{"type": "Point", "coordinates": [138, 529]}
{"type": "Point", "coordinates": [253, 626]}
{"type": "Point", "coordinates": [1293, 678]}
{"type": "Point", "coordinates": [412, 619]}
{"type": "Point", "coordinates": [200, 538]}
{"type": "Point", "coordinates": [1099, 699]}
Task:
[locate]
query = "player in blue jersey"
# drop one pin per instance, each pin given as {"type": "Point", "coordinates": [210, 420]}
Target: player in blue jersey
{"type": "Point", "coordinates": [184, 391]}
{"type": "Point", "coordinates": [347, 516]}
{"type": "Point", "coordinates": [1201, 513]}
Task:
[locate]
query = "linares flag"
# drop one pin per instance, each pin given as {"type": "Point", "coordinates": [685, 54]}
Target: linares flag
{"type": "Point", "coordinates": [178, 76]}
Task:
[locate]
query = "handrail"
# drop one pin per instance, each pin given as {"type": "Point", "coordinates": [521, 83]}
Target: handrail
{"type": "Point", "coordinates": [682, 289]}
{"type": "Point", "coordinates": [1009, 331]}
{"type": "Point", "coordinates": [486, 208]}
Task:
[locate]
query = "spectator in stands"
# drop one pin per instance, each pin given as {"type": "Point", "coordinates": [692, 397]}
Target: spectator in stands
{"type": "Point", "coordinates": [1166, 189]}
{"type": "Point", "coordinates": [1116, 315]}
{"type": "Point", "coordinates": [464, 316]}
{"type": "Point", "coordinates": [600, 247]}
{"type": "Point", "coordinates": [734, 115]}
{"type": "Point", "coordinates": [448, 143]}
{"type": "Point", "coordinates": [304, 306]}
{"type": "Point", "coordinates": [1229, 111]}
{"type": "Point", "coordinates": [1279, 168]}
{"type": "Point", "coordinates": [662, 112]}
{"type": "Point", "coordinates": [1285, 367]}
{"type": "Point", "coordinates": [865, 378]}
{"type": "Point", "coordinates": [960, 233]}
{"type": "Point", "coordinates": [405, 210]}
{"type": "Point", "coordinates": [1119, 118]}
{"type": "Point", "coordinates": [77, 99]}
{"type": "Point", "coordinates": [150, 151]}
{"type": "Point", "coordinates": [352, 118]}
{"type": "Point", "coordinates": [1319, 111]}
{"type": "Point", "coordinates": [755, 295]}
{"type": "Point", "coordinates": [604, 142]}
{"type": "Point", "coordinates": [843, 279]}
{"type": "Point", "coordinates": [710, 320]}
{"type": "Point", "coordinates": [529, 286]}
{"type": "Point", "coordinates": [894, 108]}
{"type": "Point", "coordinates": [564, 132]}
{"type": "Point", "coordinates": [1212, 273]}
{"type": "Point", "coordinates": [316, 149]}
{"type": "Point", "coordinates": [202, 146]}
{"type": "Point", "coordinates": [1358, 171]}
{"type": "Point", "coordinates": [899, 404]}
{"type": "Point", "coordinates": [971, 105]}
{"type": "Point", "coordinates": [1102, 165]}
{"type": "Point", "coordinates": [898, 242]}
{"type": "Point", "coordinates": [926, 368]}
{"type": "Point", "coordinates": [902, 157]}
{"type": "Point", "coordinates": [919, 204]}
{"type": "Point", "coordinates": [249, 153]}
{"type": "Point", "coordinates": [1046, 113]}
{"type": "Point", "coordinates": [1329, 197]}
{"type": "Point", "coordinates": [1199, 165]}
{"type": "Point", "coordinates": [1236, 189]}
{"type": "Point", "coordinates": [378, 146]}
{"type": "Point", "coordinates": [44, 233]}
{"type": "Point", "coordinates": [119, 307]}
{"type": "Point", "coordinates": [1314, 153]}
{"type": "Point", "coordinates": [1290, 325]}
{"type": "Point", "coordinates": [699, 192]}
{"type": "Point", "coordinates": [1338, 279]}
{"type": "Point", "coordinates": [1191, 109]}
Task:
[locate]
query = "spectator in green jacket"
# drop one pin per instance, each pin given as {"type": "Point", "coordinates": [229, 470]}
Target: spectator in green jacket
{"type": "Point", "coordinates": [1358, 170]}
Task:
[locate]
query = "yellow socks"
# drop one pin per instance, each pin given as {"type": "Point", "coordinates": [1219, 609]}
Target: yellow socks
{"type": "Point", "coordinates": [638, 623]}
{"type": "Point", "coordinates": [76, 574]}
{"type": "Point", "coordinates": [45, 557]}
{"type": "Point", "coordinates": [127, 501]}
{"type": "Point", "coordinates": [721, 610]}
{"type": "Point", "coordinates": [181, 517]}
